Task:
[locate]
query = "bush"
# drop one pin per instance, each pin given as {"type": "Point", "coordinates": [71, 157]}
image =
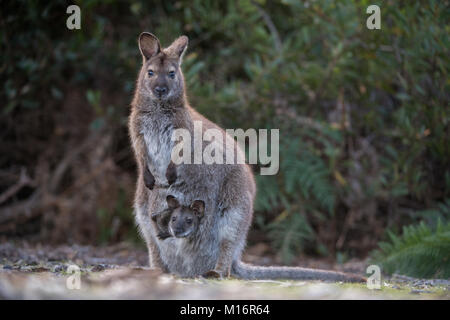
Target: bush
{"type": "Point", "coordinates": [419, 252]}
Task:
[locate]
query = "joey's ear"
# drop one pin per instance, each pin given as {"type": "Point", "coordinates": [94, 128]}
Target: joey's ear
{"type": "Point", "coordinates": [148, 45]}
{"type": "Point", "coordinates": [199, 207]}
{"type": "Point", "coordinates": [172, 202]}
{"type": "Point", "coordinates": [178, 47]}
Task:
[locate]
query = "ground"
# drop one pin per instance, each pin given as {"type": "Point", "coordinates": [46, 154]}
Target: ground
{"type": "Point", "coordinates": [120, 272]}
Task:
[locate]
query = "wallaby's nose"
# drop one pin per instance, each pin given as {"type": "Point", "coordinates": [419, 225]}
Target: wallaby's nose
{"type": "Point", "coordinates": [160, 90]}
{"type": "Point", "coordinates": [178, 230]}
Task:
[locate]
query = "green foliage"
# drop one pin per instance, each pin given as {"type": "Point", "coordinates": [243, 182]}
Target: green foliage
{"type": "Point", "coordinates": [119, 217]}
{"type": "Point", "coordinates": [420, 252]}
{"type": "Point", "coordinates": [289, 231]}
{"type": "Point", "coordinates": [304, 188]}
{"type": "Point", "coordinates": [305, 178]}
{"type": "Point", "coordinates": [431, 216]}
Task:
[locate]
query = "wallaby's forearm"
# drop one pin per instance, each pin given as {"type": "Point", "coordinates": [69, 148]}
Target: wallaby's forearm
{"type": "Point", "coordinates": [140, 150]}
{"type": "Point", "coordinates": [138, 143]}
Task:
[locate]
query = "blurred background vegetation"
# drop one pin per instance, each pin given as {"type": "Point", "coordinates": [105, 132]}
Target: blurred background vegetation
{"type": "Point", "coordinates": [363, 117]}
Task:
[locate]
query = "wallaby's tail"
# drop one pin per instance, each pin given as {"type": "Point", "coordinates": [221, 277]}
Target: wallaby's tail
{"type": "Point", "coordinates": [246, 271]}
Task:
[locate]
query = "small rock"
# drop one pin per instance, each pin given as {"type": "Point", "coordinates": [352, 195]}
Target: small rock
{"type": "Point", "coordinates": [99, 267]}
{"type": "Point", "coordinates": [25, 268]}
{"type": "Point", "coordinates": [417, 291]}
{"type": "Point", "coordinates": [59, 268]}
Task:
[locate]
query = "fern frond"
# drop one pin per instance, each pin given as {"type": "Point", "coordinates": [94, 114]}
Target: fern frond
{"type": "Point", "coordinates": [289, 234]}
{"type": "Point", "coordinates": [309, 175]}
{"type": "Point", "coordinates": [419, 252]}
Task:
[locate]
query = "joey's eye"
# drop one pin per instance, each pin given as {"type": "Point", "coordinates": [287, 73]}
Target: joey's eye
{"type": "Point", "coordinates": [150, 73]}
{"type": "Point", "coordinates": [174, 218]}
{"type": "Point", "coordinates": [189, 220]}
{"type": "Point", "coordinates": [172, 74]}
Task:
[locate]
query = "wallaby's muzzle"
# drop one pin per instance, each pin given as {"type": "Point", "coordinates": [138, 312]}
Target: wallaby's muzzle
{"type": "Point", "coordinates": [160, 91]}
{"type": "Point", "coordinates": [181, 233]}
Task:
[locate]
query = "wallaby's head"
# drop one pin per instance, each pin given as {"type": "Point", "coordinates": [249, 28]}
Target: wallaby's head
{"type": "Point", "coordinates": [185, 220]}
{"type": "Point", "coordinates": [161, 78]}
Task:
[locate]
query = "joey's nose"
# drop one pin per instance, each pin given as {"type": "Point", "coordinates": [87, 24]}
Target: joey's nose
{"type": "Point", "coordinates": [182, 233]}
{"type": "Point", "coordinates": [178, 230]}
{"type": "Point", "coordinates": [160, 90]}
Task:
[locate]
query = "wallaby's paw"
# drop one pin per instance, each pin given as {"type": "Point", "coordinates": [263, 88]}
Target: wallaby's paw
{"type": "Point", "coordinates": [212, 274]}
{"type": "Point", "coordinates": [150, 185]}
{"type": "Point", "coordinates": [171, 173]}
{"type": "Point", "coordinates": [155, 215]}
{"type": "Point", "coordinates": [162, 236]}
{"type": "Point", "coordinates": [149, 179]}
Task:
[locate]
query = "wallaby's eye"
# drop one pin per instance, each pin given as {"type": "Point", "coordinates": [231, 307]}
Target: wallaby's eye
{"type": "Point", "coordinates": [172, 74]}
{"type": "Point", "coordinates": [150, 73]}
{"type": "Point", "coordinates": [174, 218]}
{"type": "Point", "coordinates": [188, 220]}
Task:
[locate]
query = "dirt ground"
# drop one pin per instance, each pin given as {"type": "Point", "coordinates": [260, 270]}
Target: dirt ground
{"type": "Point", "coordinates": [30, 271]}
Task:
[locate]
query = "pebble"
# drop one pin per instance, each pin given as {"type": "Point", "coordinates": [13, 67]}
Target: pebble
{"type": "Point", "coordinates": [99, 267]}
{"type": "Point", "coordinates": [417, 291]}
{"type": "Point", "coordinates": [59, 268]}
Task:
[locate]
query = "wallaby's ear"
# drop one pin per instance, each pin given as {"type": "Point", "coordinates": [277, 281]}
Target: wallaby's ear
{"type": "Point", "coordinates": [149, 45]}
{"type": "Point", "coordinates": [178, 47]}
{"type": "Point", "coordinates": [172, 202]}
{"type": "Point", "coordinates": [198, 206]}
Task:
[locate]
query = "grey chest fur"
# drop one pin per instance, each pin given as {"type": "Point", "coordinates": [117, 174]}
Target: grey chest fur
{"type": "Point", "coordinates": [157, 134]}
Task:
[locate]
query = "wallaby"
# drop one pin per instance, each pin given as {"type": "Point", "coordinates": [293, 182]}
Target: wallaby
{"type": "Point", "coordinates": [178, 221]}
{"type": "Point", "coordinates": [184, 221]}
{"type": "Point", "coordinates": [159, 107]}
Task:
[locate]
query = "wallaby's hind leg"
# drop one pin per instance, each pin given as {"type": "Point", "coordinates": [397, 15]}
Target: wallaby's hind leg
{"type": "Point", "coordinates": [153, 251]}
{"type": "Point", "coordinates": [236, 202]}
{"type": "Point", "coordinates": [155, 261]}
{"type": "Point", "coordinates": [142, 215]}
{"type": "Point", "coordinates": [233, 229]}
{"type": "Point", "coordinates": [223, 265]}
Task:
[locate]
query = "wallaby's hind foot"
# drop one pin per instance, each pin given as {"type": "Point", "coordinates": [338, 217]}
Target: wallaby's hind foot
{"type": "Point", "coordinates": [212, 274]}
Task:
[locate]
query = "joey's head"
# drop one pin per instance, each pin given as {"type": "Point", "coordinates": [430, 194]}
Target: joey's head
{"type": "Point", "coordinates": [161, 78]}
{"type": "Point", "coordinates": [185, 220]}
